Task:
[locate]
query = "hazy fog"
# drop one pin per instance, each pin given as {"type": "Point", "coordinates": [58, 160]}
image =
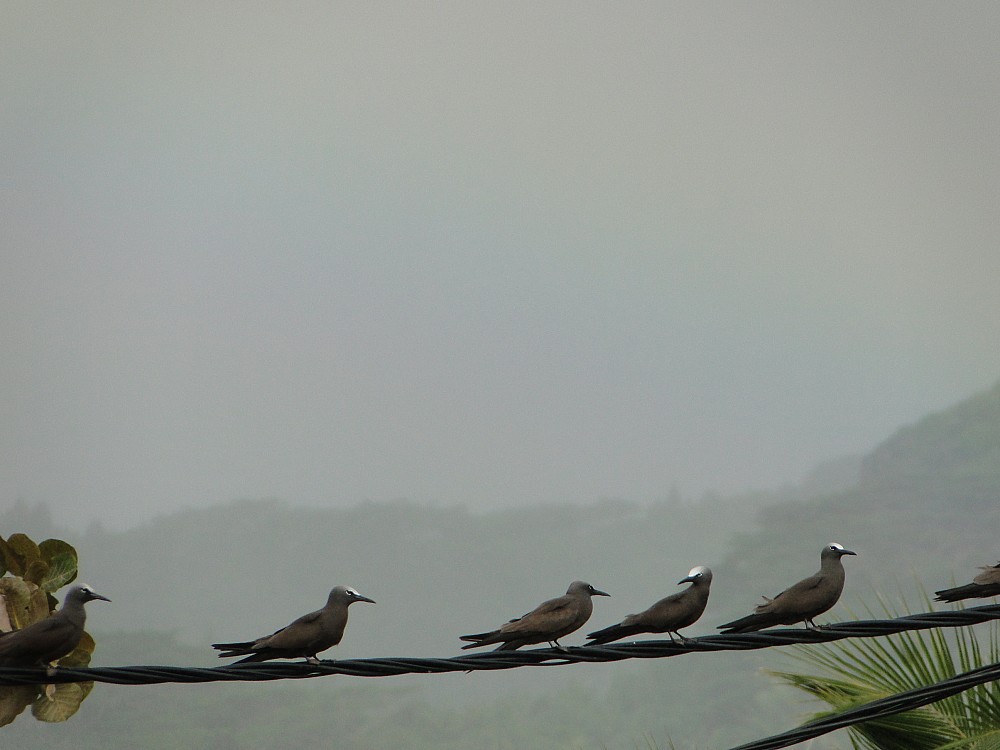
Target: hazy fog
{"type": "Point", "coordinates": [484, 253]}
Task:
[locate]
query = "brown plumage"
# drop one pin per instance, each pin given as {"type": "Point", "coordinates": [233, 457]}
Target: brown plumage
{"type": "Point", "coordinates": [985, 584]}
{"type": "Point", "coordinates": [668, 615]}
{"type": "Point", "coordinates": [307, 636]}
{"type": "Point", "coordinates": [548, 622]}
{"type": "Point", "coordinates": [48, 640]}
{"type": "Point", "coordinates": [801, 602]}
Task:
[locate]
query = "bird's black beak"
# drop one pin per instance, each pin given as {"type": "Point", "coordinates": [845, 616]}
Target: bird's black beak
{"type": "Point", "coordinates": [689, 579]}
{"type": "Point", "coordinates": [596, 592]}
{"type": "Point", "coordinates": [360, 598]}
{"type": "Point", "coordinates": [94, 595]}
{"type": "Point", "coordinates": [847, 552]}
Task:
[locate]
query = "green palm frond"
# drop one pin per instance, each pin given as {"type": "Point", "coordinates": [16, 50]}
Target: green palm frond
{"type": "Point", "coordinates": [853, 673]}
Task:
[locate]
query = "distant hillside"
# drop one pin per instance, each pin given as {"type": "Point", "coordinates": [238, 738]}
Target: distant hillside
{"type": "Point", "coordinates": [922, 510]}
{"type": "Point", "coordinates": [954, 452]}
{"type": "Point", "coordinates": [925, 511]}
{"type": "Point", "coordinates": [926, 504]}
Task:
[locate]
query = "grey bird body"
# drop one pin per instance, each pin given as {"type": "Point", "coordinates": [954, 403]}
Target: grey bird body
{"type": "Point", "coordinates": [48, 640]}
{"type": "Point", "coordinates": [548, 622]}
{"type": "Point", "coordinates": [305, 637]}
{"type": "Point", "coordinates": [668, 615]}
{"type": "Point", "coordinates": [985, 584]}
{"type": "Point", "coordinates": [801, 602]}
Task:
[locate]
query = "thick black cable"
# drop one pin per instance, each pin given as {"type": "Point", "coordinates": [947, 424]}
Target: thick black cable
{"type": "Point", "coordinates": [889, 706]}
{"type": "Point", "coordinates": [494, 660]}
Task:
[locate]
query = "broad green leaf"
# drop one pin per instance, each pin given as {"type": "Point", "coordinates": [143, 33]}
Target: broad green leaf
{"type": "Point", "coordinates": [25, 602]}
{"type": "Point", "coordinates": [10, 560]}
{"type": "Point", "coordinates": [26, 550]}
{"type": "Point", "coordinates": [62, 570]}
{"type": "Point", "coordinates": [50, 548]}
{"type": "Point", "coordinates": [14, 699]}
{"type": "Point", "coordinates": [59, 702]}
{"type": "Point", "coordinates": [36, 571]}
{"type": "Point", "coordinates": [80, 656]}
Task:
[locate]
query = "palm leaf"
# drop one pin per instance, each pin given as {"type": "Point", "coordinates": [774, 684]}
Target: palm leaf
{"type": "Point", "coordinates": [853, 673]}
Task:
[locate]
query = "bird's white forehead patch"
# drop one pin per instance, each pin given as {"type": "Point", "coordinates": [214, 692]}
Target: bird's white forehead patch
{"type": "Point", "coordinates": [834, 545]}
{"type": "Point", "coordinates": [696, 571]}
{"type": "Point", "coordinates": [353, 592]}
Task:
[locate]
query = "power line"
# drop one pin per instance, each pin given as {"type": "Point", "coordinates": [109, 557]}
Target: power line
{"type": "Point", "coordinates": [495, 660]}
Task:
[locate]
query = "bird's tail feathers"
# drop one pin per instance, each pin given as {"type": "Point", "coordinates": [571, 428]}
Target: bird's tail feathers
{"type": "Point", "coordinates": [234, 649]}
{"type": "Point", "coordinates": [958, 593]}
{"type": "Point", "coordinates": [747, 624]}
{"type": "Point", "coordinates": [254, 656]}
{"type": "Point", "coordinates": [476, 636]}
{"type": "Point", "coordinates": [612, 633]}
{"type": "Point", "coordinates": [484, 639]}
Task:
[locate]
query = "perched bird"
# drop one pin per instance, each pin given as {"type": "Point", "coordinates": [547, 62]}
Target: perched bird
{"type": "Point", "coordinates": [668, 615]}
{"type": "Point", "coordinates": [986, 583]}
{"type": "Point", "coordinates": [548, 622]}
{"type": "Point", "coordinates": [48, 640]}
{"type": "Point", "coordinates": [307, 636]}
{"type": "Point", "coordinates": [802, 602]}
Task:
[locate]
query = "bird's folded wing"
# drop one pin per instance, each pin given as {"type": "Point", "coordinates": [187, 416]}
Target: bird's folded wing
{"type": "Point", "coordinates": [305, 619]}
{"type": "Point", "coordinates": [292, 637]}
{"type": "Point", "coordinates": [806, 584]}
{"type": "Point", "coordinates": [546, 616]}
{"type": "Point", "coordinates": [667, 606]}
{"type": "Point", "coordinates": [990, 574]}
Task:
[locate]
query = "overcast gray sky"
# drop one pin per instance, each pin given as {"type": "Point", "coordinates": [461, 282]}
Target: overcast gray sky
{"type": "Point", "coordinates": [484, 253]}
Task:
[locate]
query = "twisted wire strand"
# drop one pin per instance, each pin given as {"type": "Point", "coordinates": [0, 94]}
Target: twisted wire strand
{"type": "Point", "coordinates": [494, 660]}
{"type": "Point", "coordinates": [889, 706]}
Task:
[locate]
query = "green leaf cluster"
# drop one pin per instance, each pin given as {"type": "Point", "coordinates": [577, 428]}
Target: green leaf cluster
{"type": "Point", "coordinates": [31, 574]}
{"type": "Point", "coordinates": [49, 565]}
{"type": "Point", "coordinates": [853, 673]}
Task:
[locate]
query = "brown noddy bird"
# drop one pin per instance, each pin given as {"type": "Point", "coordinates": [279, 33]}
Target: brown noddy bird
{"type": "Point", "coordinates": [307, 636]}
{"type": "Point", "coordinates": [986, 583]}
{"type": "Point", "coordinates": [668, 615]}
{"type": "Point", "coordinates": [548, 622]}
{"type": "Point", "coordinates": [48, 640]}
{"type": "Point", "coordinates": [801, 602]}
